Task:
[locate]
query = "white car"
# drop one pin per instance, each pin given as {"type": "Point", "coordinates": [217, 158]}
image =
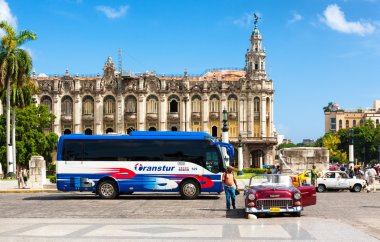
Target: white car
{"type": "Point", "coordinates": [339, 180]}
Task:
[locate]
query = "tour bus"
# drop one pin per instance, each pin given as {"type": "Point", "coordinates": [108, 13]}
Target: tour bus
{"type": "Point", "coordinates": [144, 161]}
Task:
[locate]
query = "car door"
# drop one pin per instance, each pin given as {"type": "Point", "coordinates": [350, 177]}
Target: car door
{"type": "Point", "coordinates": [329, 180]}
{"type": "Point", "coordinates": [343, 181]}
{"type": "Point", "coordinates": [308, 195]}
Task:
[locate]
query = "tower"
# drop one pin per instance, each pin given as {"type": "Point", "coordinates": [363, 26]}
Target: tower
{"type": "Point", "coordinates": [255, 56]}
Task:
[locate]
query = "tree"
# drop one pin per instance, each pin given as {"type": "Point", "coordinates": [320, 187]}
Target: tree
{"type": "Point", "coordinates": [328, 107]}
{"type": "Point", "coordinates": [20, 98]}
{"type": "Point", "coordinates": [31, 138]}
{"type": "Point", "coordinates": [331, 141]}
{"type": "Point", "coordinates": [15, 67]}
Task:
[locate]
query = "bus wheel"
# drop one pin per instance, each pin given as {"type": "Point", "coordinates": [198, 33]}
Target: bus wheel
{"type": "Point", "coordinates": [107, 189]}
{"type": "Point", "coordinates": [189, 189]}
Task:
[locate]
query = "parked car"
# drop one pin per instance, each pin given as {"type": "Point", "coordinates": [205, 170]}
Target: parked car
{"type": "Point", "coordinates": [302, 178]}
{"type": "Point", "coordinates": [275, 193]}
{"type": "Point", "coordinates": [339, 180]}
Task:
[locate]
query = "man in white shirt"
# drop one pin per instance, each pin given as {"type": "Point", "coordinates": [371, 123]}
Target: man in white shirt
{"type": "Point", "coordinates": [370, 178]}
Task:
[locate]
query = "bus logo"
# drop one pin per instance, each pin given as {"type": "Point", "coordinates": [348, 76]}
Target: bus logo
{"type": "Point", "coordinates": [140, 167]}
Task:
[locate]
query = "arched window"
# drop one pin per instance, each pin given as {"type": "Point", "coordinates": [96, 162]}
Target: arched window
{"type": "Point", "coordinates": [88, 132]}
{"type": "Point", "coordinates": [347, 124]}
{"type": "Point", "coordinates": [152, 129]}
{"type": "Point", "coordinates": [46, 100]}
{"type": "Point", "coordinates": [214, 104]}
{"type": "Point", "coordinates": [361, 122]}
{"type": "Point", "coordinates": [256, 102]}
{"type": "Point", "coordinates": [131, 104]}
{"type": "Point", "coordinates": [152, 104]}
{"type": "Point", "coordinates": [174, 128]}
{"type": "Point", "coordinates": [340, 124]}
{"type": "Point", "coordinates": [88, 106]}
{"type": "Point", "coordinates": [173, 104]}
{"type": "Point", "coordinates": [196, 104]}
{"type": "Point", "coordinates": [130, 129]}
{"type": "Point", "coordinates": [109, 130]}
{"type": "Point", "coordinates": [354, 123]}
{"type": "Point", "coordinates": [232, 104]}
{"type": "Point", "coordinates": [67, 131]}
{"type": "Point", "coordinates": [67, 105]}
{"type": "Point", "coordinates": [109, 105]}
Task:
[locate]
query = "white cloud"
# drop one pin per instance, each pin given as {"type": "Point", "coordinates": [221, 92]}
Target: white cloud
{"type": "Point", "coordinates": [113, 13]}
{"type": "Point", "coordinates": [296, 17]}
{"type": "Point", "coordinates": [6, 14]}
{"type": "Point", "coordinates": [334, 18]}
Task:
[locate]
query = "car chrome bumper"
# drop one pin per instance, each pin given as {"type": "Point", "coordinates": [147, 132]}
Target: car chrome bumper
{"type": "Point", "coordinates": [282, 210]}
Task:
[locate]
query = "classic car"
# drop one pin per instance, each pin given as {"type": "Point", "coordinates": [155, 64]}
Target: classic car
{"type": "Point", "coordinates": [275, 193]}
{"type": "Point", "coordinates": [302, 178]}
{"type": "Point", "coordinates": [339, 180]}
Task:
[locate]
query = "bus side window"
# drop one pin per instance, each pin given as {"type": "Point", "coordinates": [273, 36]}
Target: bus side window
{"type": "Point", "coordinates": [212, 163]}
{"type": "Point", "coordinates": [73, 150]}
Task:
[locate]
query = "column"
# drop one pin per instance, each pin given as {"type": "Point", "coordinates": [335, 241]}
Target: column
{"type": "Point", "coordinates": [250, 115]}
{"type": "Point", "coordinates": [163, 113]}
{"type": "Point", "coordinates": [141, 112]}
{"type": "Point", "coordinates": [263, 116]}
{"type": "Point", "coordinates": [98, 114]}
{"type": "Point", "coordinates": [271, 116]}
{"type": "Point", "coordinates": [188, 114]}
{"type": "Point", "coordinates": [77, 114]}
{"type": "Point", "coordinates": [57, 112]}
{"type": "Point", "coordinates": [182, 114]}
{"type": "Point", "coordinates": [120, 114]}
{"type": "Point", "coordinates": [241, 116]}
{"type": "Point", "coordinates": [205, 114]}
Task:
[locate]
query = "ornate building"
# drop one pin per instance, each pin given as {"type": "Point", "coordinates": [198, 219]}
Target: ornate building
{"type": "Point", "coordinates": [147, 101]}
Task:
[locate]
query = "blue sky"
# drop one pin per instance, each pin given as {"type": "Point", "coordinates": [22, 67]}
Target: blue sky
{"type": "Point", "coordinates": [317, 50]}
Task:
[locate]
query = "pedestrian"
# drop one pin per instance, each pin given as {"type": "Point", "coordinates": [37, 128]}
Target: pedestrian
{"type": "Point", "coordinates": [25, 174]}
{"type": "Point", "coordinates": [228, 183]}
{"type": "Point", "coordinates": [278, 169]}
{"type": "Point", "coordinates": [20, 179]}
{"type": "Point", "coordinates": [370, 178]}
{"type": "Point", "coordinates": [351, 172]}
{"type": "Point", "coordinates": [313, 176]}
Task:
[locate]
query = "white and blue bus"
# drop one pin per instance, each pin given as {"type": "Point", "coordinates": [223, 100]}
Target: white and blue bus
{"type": "Point", "coordinates": [144, 161]}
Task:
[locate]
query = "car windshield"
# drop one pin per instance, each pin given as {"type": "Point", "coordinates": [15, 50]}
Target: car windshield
{"type": "Point", "coordinates": [270, 180]}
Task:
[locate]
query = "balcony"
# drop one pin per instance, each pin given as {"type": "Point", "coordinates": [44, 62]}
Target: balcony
{"type": "Point", "coordinates": [173, 116]}
{"type": "Point", "coordinates": [109, 117]}
{"type": "Point", "coordinates": [232, 116]}
{"type": "Point", "coordinates": [130, 116]}
{"type": "Point", "coordinates": [152, 116]}
{"type": "Point", "coordinates": [88, 117]}
{"type": "Point", "coordinates": [214, 115]}
{"type": "Point", "coordinates": [66, 117]}
{"type": "Point", "coordinates": [196, 115]}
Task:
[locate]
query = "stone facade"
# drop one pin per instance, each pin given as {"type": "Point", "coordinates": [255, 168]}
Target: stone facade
{"type": "Point", "coordinates": [37, 172]}
{"type": "Point", "coordinates": [121, 102]}
{"type": "Point", "coordinates": [299, 159]}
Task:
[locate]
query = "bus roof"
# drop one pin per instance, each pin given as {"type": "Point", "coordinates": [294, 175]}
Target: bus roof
{"type": "Point", "coordinates": [141, 135]}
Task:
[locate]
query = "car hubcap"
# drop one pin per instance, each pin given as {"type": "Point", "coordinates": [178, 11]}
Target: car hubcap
{"type": "Point", "coordinates": [189, 190]}
{"type": "Point", "coordinates": [107, 190]}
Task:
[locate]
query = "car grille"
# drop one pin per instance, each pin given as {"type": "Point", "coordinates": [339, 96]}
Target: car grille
{"type": "Point", "coordinates": [270, 203]}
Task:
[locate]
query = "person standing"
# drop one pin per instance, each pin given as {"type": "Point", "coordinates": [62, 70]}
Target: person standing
{"type": "Point", "coordinates": [370, 178]}
{"type": "Point", "coordinates": [20, 179]}
{"type": "Point", "coordinates": [25, 176]}
{"type": "Point", "coordinates": [313, 176]}
{"type": "Point", "coordinates": [228, 183]}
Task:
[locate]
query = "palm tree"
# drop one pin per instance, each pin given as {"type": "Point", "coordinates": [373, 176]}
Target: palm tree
{"type": "Point", "coordinates": [20, 98]}
{"type": "Point", "coordinates": [15, 67]}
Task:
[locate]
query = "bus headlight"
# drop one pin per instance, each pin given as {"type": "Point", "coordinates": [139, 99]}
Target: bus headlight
{"type": "Point", "coordinates": [297, 196]}
{"type": "Point", "coordinates": [251, 196]}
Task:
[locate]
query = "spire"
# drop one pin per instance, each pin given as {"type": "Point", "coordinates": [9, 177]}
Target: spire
{"type": "Point", "coordinates": [255, 56]}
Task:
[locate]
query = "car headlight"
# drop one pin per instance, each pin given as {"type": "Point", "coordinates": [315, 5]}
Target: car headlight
{"type": "Point", "coordinates": [251, 196]}
{"type": "Point", "coordinates": [297, 196]}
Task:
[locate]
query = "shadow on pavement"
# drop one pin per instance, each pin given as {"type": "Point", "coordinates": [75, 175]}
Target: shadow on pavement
{"type": "Point", "coordinates": [121, 197]}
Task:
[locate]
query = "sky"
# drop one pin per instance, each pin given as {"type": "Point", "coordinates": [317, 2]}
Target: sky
{"type": "Point", "coordinates": [318, 51]}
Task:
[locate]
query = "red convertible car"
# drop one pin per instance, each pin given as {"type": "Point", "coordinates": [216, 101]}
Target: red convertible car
{"type": "Point", "coordinates": [275, 193]}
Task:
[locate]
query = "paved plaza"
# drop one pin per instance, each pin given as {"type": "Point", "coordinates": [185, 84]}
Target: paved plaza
{"type": "Point", "coordinates": [150, 217]}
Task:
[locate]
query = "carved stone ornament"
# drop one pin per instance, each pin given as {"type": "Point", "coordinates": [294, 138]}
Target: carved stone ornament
{"type": "Point", "coordinates": [195, 116]}
{"type": "Point", "coordinates": [87, 85]}
{"type": "Point", "coordinates": [66, 118]}
{"type": "Point", "coordinates": [108, 79]}
{"type": "Point", "coordinates": [66, 85]}
{"type": "Point", "coordinates": [130, 117]}
{"type": "Point", "coordinates": [88, 117]}
{"type": "Point", "coordinates": [214, 116]}
{"type": "Point", "coordinates": [151, 116]}
{"type": "Point", "coordinates": [173, 116]}
{"type": "Point", "coordinates": [109, 117]}
{"type": "Point", "coordinates": [45, 86]}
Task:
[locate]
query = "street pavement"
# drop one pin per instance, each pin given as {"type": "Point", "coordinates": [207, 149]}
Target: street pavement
{"type": "Point", "coordinates": [58, 216]}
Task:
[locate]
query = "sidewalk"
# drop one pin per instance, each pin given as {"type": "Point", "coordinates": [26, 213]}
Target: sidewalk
{"type": "Point", "coordinates": [10, 186]}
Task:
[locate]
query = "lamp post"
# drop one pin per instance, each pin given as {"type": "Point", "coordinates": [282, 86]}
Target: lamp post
{"type": "Point", "coordinates": [225, 136]}
{"type": "Point", "coordinates": [363, 151]}
{"type": "Point", "coordinates": [351, 149]}
{"type": "Point", "coordinates": [240, 156]}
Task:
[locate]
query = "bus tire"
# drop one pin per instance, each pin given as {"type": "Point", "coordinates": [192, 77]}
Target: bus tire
{"type": "Point", "coordinates": [189, 189]}
{"type": "Point", "coordinates": [107, 189]}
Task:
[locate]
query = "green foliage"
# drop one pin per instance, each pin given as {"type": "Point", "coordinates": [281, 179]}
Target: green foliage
{"type": "Point", "coordinates": [30, 137]}
{"type": "Point", "coordinates": [254, 170]}
{"type": "Point", "coordinates": [53, 178]}
{"type": "Point", "coordinates": [286, 145]}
